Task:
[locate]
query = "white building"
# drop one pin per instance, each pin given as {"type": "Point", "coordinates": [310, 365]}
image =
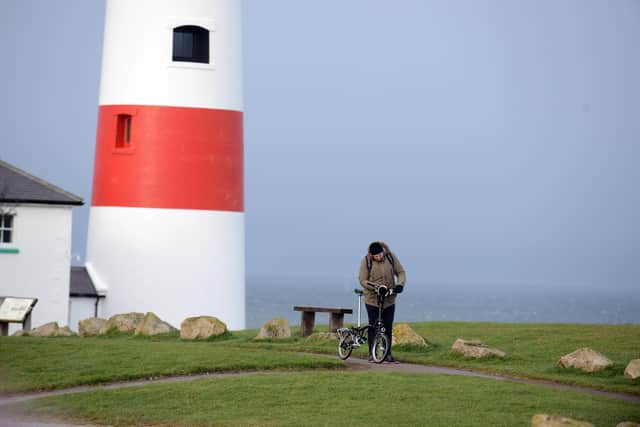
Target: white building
{"type": "Point", "coordinates": [35, 244]}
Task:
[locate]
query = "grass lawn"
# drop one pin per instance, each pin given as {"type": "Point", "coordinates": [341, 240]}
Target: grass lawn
{"type": "Point", "coordinates": [532, 349]}
{"type": "Point", "coordinates": [334, 398]}
{"type": "Point", "coordinates": [29, 363]}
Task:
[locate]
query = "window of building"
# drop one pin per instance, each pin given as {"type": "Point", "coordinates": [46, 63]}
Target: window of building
{"type": "Point", "coordinates": [123, 131]}
{"type": "Point", "coordinates": [6, 228]}
{"type": "Point", "coordinates": [191, 44]}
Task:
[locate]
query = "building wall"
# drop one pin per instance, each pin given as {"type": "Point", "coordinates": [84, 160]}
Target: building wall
{"type": "Point", "coordinates": [81, 308]}
{"type": "Point", "coordinates": [161, 268]}
{"type": "Point", "coordinates": [41, 268]}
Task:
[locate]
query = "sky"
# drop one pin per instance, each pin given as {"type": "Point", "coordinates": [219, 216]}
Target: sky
{"type": "Point", "coordinates": [487, 142]}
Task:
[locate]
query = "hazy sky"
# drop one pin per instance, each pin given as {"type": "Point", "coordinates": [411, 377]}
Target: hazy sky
{"type": "Point", "coordinates": [488, 142]}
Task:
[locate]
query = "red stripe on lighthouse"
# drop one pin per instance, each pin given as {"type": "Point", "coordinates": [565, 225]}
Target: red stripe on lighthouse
{"type": "Point", "coordinates": [169, 157]}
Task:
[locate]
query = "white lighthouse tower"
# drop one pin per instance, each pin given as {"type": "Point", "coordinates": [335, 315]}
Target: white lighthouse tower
{"type": "Point", "coordinates": [166, 229]}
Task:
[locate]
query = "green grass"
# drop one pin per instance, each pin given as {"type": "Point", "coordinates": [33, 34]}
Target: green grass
{"type": "Point", "coordinates": [29, 363]}
{"type": "Point", "coordinates": [532, 350]}
{"type": "Point", "coordinates": [334, 398]}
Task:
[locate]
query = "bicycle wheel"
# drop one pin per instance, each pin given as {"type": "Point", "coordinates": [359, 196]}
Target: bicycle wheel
{"type": "Point", "coordinates": [344, 347]}
{"type": "Point", "coordinates": [380, 347]}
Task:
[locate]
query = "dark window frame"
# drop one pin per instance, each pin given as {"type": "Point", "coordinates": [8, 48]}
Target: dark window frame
{"type": "Point", "coordinates": [6, 231]}
{"type": "Point", "coordinates": [191, 44]}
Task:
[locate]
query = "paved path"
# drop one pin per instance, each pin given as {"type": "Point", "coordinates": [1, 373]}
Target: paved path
{"type": "Point", "coordinates": [10, 418]}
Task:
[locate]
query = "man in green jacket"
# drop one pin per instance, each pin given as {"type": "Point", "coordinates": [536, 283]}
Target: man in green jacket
{"type": "Point", "coordinates": [381, 267]}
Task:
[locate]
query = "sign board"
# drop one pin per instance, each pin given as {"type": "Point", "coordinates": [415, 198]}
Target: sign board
{"type": "Point", "coordinates": [16, 309]}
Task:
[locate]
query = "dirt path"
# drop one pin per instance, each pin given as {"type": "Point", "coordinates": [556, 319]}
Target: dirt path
{"type": "Point", "coordinates": [9, 417]}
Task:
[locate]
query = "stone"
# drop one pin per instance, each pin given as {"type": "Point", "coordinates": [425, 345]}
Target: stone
{"type": "Point", "coordinates": [152, 325]}
{"type": "Point", "coordinates": [628, 424]}
{"type": "Point", "coordinates": [544, 420]}
{"type": "Point", "coordinates": [275, 328]}
{"type": "Point", "coordinates": [127, 322]}
{"type": "Point", "coordinates": [632, 371]}
{"type": "Point", "coordinates": [585, 359]}
{"type": "Point", "coordinates": [475, 349]}
{"type": "Point", "coordinates": [51, 329]}
{"type": "Point", "coordinates": [201, 327]}
{"type": "Point", "coordinates": [64, 332]}
{"type": "Point", "coordinates": [47, 330]}
{"type": "Point", "coordinates": [404, 334]}
{"type": "Point", "coordinates": [20, 333]}
{"type": "Point", "coordinates": [91, 326]}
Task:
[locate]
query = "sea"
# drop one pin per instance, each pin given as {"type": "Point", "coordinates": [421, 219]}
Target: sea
{"type": "Point", "coordinates": [267, 298]}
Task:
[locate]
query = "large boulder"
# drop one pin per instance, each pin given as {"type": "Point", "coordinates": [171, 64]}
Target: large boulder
{"type": "Point", "coordinates": [51, 329]}
{"type": "Point", "coordinates": [632, 371]}
{"type": "Point", "coordinates": [201, 327]}
{"type": "Point", "coordinates": [20, 333]}
{"type": "Point", "coordinates": [127, 322]}
{"type": "Point", "coordinates": [275, 328]}
{"type": "Point", "coordinates": [475, 349]}
{"type": "Point", "coordinates": [544, 420]}
{"type": "Point", "coordinates": [46, 330]}
{"type": "Point", "coordinates": [90, 327]}
{"type": "Point", "coordinates": [628, 424]}
{"type": "Point", "coordinates": [404, 334]}
{"type": "Point", "coordinates": [152, 325]}
{"type": "Point", "coordinates": [585, 359]}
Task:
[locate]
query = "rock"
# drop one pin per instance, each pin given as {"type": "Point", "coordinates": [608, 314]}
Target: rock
{"type": "Point", "coordinates": [404, 334]}
{"type": "Point", "coordinates": [632, 371]}
{"type": "Point", "coordinates": [50, 329]}
{"type": "Point", "coordinates": [201, 327]}
{"type": "Point", "coordinates": [586, 359]}
{"type": "Point", "coordinates": [152, 325]}
{"type": "Point", "coordinates": [323, 336]}
{"type": "Point", "coordinates": [90, 327]}
{"type": "Point", "coordinates": [544, 420]}
{"type": "Point", "coordinates": [275, 328]}
{"type": "Point", "coordinates": [628, 424]}
{"type": "Point", "coordinates": [475, 348]}
{"type": "Point", "coordinates": [20, 333]}
{"type": "Point", "coordinates": [47, 330]}
{"type": "Point", "coordinates": [127, 322]}
{"type": "Point", "coordinates": [64, 332]}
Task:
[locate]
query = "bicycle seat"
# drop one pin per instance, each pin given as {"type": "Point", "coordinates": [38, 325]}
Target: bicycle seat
{"type": "Point", "coordinates": [358, 291]}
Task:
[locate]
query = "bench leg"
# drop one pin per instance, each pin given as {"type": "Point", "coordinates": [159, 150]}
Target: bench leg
{"type": "Point", "coordinates": [4, 329]}
{"type": "Point", "coordinates": [336, 320]}
{"type": "Point", "coordinates": [308, 321]}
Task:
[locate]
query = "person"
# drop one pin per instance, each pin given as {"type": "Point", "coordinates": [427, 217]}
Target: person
{"type": "Point", "coordinates": [381, 267]}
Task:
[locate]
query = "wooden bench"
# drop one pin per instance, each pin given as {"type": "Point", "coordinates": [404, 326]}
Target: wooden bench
{"type": "Point", "coordinates": [336, 317]}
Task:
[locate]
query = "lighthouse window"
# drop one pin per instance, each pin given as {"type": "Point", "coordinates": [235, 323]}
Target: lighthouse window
{"type": "Point", "coordinates": [191, 44]}
{"type": "Point", "coordinates": [6, 228]}
{"type": "Point", "coordinates": [123, 131]}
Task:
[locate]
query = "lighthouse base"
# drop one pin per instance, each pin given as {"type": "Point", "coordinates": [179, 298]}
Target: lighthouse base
{"type": "Point", "coordinates": [173, 262]}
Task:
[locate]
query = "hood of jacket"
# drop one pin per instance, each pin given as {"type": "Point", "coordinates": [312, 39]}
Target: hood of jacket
{"type": "Point", "coordinates": [385, 247]}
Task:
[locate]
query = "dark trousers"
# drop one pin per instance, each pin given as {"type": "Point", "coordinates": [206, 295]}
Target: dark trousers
{"type": "Point", "coordinates": [387, 320]}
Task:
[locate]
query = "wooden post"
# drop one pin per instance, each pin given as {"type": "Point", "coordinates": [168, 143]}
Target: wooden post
{"type": "Point", "coordinates": [336, 320]}
{"type": "Point", "coordinates": [308, 321]}
{"type": "Point", "coordinates": [26, 324]}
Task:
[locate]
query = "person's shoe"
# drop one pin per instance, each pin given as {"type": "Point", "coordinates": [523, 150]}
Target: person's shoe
{"type": "Point", "coordinates": [390, 359]}
{"type": "Point", "coordinates": [370, 359]}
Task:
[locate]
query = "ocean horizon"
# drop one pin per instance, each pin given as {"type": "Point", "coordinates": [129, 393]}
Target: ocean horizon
{"type": "Point", "coordinates": [269, 298]}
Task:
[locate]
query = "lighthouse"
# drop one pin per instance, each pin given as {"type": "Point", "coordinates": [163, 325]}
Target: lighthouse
{"type": "Point", "coordinates": [166, 225]}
